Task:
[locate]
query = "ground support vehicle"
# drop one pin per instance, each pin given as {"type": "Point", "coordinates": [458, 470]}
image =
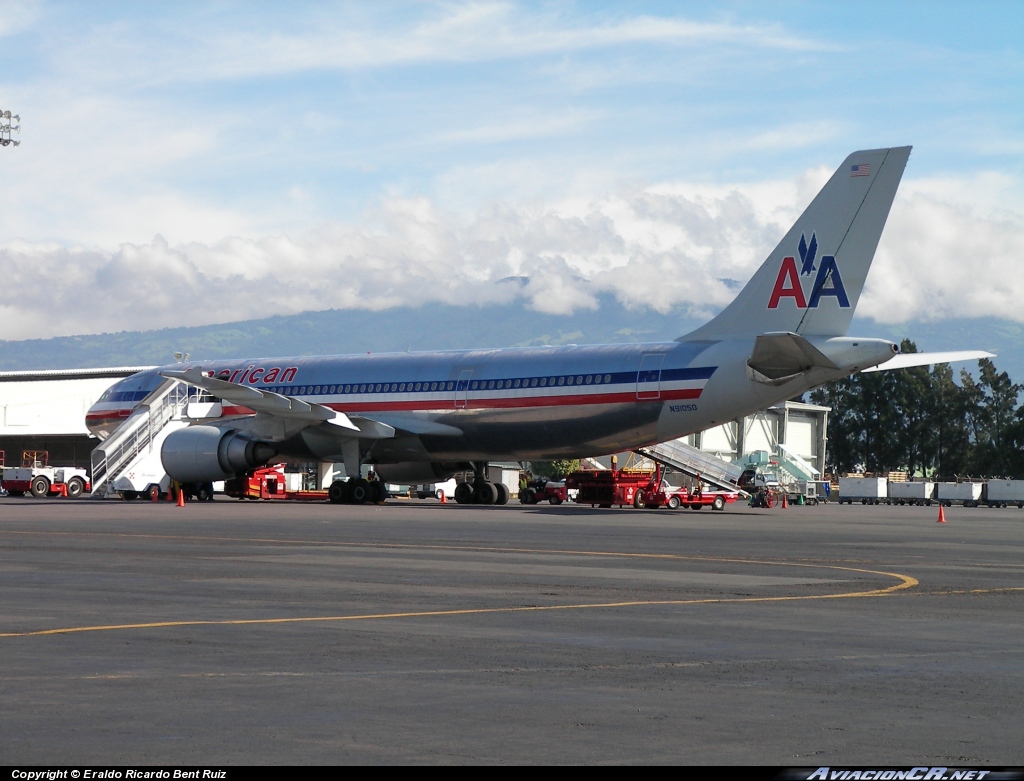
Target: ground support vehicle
{"type": "Point", "coordinates": [1001, 493]}
{"type": "Point", "coordinates": [435, 490]}
{"type": "Point", "coordinates": [967, 494]}
{"type": "Point", "coordinates": [273, 482]}
{"type": "Point", "coordinates": [607, 487]}
{"type": "Point", "coordinates": [916, 492]}
{"type": "Point", "coordinates": [543, 490]}
{"type": "Point", "coordinates": [802, 492]}
{"type": "Point", "coordinates": [36, 477]}
{"type": "Point", "coordinates": [676, 498]}
{"type": "Point", "coordinates": [866, 490]}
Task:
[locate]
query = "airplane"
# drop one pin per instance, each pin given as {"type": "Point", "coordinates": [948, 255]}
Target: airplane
{"type": "Point", "coordinates": [421, 417]}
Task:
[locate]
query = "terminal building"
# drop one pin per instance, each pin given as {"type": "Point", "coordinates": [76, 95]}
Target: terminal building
{"type": "Point", "coordinates": [45, 410]}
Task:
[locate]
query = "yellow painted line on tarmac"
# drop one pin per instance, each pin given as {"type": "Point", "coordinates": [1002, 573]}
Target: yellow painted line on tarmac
{"type": "Point", "coordinates": [905, 582]}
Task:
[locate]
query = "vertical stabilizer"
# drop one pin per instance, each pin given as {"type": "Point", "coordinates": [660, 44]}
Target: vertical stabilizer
{"type": "Point", "coordinates": [811, 283]}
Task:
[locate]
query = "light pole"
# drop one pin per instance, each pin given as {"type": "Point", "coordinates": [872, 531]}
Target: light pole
{"type": "Point", "coordinates": [9, 124]}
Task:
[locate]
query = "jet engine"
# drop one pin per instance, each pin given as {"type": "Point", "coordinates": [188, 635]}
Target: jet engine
{"type": "Point", "coordinates": [418, 472]}
{"type": "Point", "coordinates": [203, 454]}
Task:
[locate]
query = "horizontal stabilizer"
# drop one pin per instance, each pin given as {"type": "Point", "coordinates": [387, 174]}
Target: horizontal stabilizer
{"type": "Point", "coordinates": [778, 358]}
{"type": "Point", "coordinates": [906, 360]}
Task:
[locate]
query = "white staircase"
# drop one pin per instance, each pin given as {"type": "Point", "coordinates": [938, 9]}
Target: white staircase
{"type": "Point", "coordinates": [139, 438]}
{"type": "Point", "coordinates": [691, 461]}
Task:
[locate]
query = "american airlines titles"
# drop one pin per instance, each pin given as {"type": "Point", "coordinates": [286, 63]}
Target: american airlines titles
{"type": "Point", "coordinates": [255, 374]}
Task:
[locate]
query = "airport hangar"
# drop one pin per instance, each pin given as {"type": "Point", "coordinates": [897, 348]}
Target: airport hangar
{"type": "Point", "coordinates": [45, 410]}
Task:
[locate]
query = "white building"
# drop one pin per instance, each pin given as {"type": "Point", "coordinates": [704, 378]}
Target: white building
{"type": "Point", "coordinates": [45, 410]}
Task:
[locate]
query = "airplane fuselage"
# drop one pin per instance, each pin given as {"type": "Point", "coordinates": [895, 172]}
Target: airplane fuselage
{"type": "Point", "coordinates": [517, 403]}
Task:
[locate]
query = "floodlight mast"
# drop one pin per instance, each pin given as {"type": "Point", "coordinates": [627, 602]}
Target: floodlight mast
{"type": "Point", "coordinates": [9, 124]}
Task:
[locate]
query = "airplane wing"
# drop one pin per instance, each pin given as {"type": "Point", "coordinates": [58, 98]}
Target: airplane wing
{"type": "Point", "coordinates": [906, 360]}
{"type": "Point", "coordinates": [380, 426]}
{"type": "Point", "coordinates": [262, 400]}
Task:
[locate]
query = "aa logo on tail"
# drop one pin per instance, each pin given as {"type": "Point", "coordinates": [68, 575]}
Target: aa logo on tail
{"type": "Point", "coordinates": [827, 280]}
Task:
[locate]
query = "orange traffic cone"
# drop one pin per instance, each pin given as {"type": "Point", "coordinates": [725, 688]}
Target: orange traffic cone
{"type": "Point", "coordinates": [942, 514]}
{"type": "Point", "coordinates": [785, 502]}
{"type": "Point", "coordinates": [181, 497]}
{"type": "Point", "coordinates": [444, 499]}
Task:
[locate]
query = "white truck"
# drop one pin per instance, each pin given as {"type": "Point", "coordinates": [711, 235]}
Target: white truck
{"type": "Point", "coordinates": [36, 477]}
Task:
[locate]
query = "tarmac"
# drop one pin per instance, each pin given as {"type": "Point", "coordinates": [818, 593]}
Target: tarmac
{"type": "Point", "coordinates": [243, 632]}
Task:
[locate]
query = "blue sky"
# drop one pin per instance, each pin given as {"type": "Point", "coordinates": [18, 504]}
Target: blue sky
{"type": "Point", "coordinates": [254, 159]}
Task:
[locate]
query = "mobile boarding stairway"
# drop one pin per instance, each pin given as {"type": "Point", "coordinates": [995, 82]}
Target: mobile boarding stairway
{"type": "Point", "coordinates": [724, 474]}
{"type": "Point", "coordinates": [693, 462]}
{"type": "Point", "coordinates": [128, 461]}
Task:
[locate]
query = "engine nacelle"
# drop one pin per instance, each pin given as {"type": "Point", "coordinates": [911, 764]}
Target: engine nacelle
{"type": "Point", "coordinates": [203, 454]}
{"type": "Point", "coordinates": [417, 472]}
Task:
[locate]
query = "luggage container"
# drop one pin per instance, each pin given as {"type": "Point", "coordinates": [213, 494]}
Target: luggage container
{"type": "Point", "coordinates": [1000, 493]}
{"type": "Point", "coordinates": [916, 493]}
{"type": "Point", "coordinates": [967, 494]}
{"type": "Point", "coordinates": [866, 490]}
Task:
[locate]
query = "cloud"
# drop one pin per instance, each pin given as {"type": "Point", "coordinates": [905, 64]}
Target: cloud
{"type": "Point", "coordinates": [940, 259]}
{"type": "Point", "coordinates": [658, 246]}
{"type": "Point", "coordinates": [214, 46]}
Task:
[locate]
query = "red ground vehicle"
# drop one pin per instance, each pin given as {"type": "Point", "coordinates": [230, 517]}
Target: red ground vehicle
{"type": "Point", "coordinates": [609, 486]}
{"type": "Point", "coordinates": [641, 488]}
{"type": "Point", "coordinates": [543, 490]}
{"type": "Point", "coordinates": [716, 500]}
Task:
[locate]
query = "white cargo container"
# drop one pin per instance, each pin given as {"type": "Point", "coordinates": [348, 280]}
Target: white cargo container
{"type": "Point", "coordinates": [866, 490]}
{"type": "Point", "coordinates": [999, 493]}
{"type": "Point", "coordinates": [968, 494]}
{"type": "Point", "coordinates": [922, 492]}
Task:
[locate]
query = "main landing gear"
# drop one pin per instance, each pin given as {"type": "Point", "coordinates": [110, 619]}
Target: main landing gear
{"type": "Point", "coordinates": [357, 491]}
{"type": "Point", "coordinates": [480, 491]}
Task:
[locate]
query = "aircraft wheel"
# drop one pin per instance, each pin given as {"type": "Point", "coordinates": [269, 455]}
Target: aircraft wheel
{"type": "Point", "coordinates": [673, 502]}
{"type": "Point", "coordinates": [502, 493]}
{"type": "Point", "coordinates": [362, 492]}
{"type": "Point", "coordinates": [528, 496]}
{"type": "Point", "coordinates": [76, 486]}
{"type": "Point", "coordinates": [204, 492]}
{"type": "Point", "coordinates": [719, 503]}
{"type": "Point", "coordinates": [338, 492]}
{"type": "Point", "coordinates": [464, 493]}
{"type": "Point", "coordinates": [40, 486]}
{"type": "Point", "coordinates": [485, 493]}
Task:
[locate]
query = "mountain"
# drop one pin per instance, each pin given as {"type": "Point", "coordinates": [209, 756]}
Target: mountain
{"type": "Point", "coordinates": [448, 327]}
